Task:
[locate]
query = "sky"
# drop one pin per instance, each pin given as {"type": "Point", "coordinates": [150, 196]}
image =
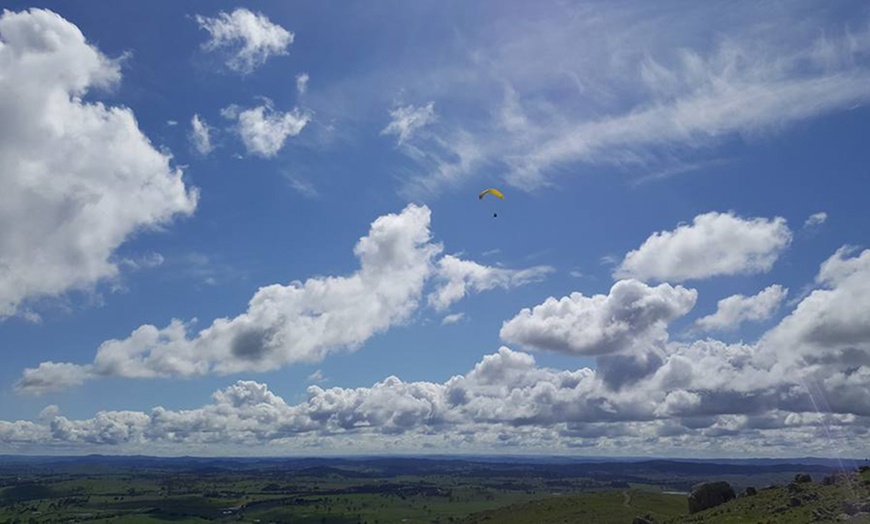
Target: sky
{"type": "Point", "coordinates": [255, 230]}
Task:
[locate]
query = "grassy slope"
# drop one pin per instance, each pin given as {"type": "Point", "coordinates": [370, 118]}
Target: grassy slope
{"type": "Point", "coordinates": [816, 503]}
{"type": "Point", "coordinates": [601, 507]}
{"type": "Point", "coordinates": [812, 502]}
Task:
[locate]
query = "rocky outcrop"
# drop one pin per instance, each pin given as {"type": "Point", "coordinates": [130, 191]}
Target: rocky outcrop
{"type": "Point", "coordinates": [802, 478]}
{"type": "Point", "coordinates": [710, 494]}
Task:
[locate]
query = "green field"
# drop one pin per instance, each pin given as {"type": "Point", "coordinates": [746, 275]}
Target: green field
{"type": "Point", "coordinates": [395, 491]}
{"type": "Point", "coordinates": [847, 500]}
{"type": "Point", "coordinates": [248, 497]}
{"type": "Point", "coordinates": [607, 507]}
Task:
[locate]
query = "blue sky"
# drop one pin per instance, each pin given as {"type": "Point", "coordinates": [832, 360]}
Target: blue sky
{"type": "Point", "coordinates": [236, 231]}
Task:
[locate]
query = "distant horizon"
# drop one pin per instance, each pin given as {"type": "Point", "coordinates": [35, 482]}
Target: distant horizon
{"type": "Point", "coordinates": [614, 458]}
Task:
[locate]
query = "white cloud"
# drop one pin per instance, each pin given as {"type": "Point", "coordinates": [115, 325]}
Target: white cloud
{"type": "Point", "coordinates": [302, 83]}
{"type": "Point", "coordinates": [299, 322]}
{"type": "Point", "coordinates": [800, 389]}
{"type": "Point", "coordinates": [816, 219]}
{"type": "Point", "coordinates": [832, 323]}
{"type": "Point", "coordinates": [302, 186]}
{"type": "Point", "coordinates": [714, 244]}
{"type": "Point", "coordinates": [453, 318]}
{"type": "Point", "coordinates": [447, 162]}
{"type": "Point", "coordinates": [231, 112]}
{"type": "Point", "coordinates": [633, 315]}
{"type": "Point", "coordinates": [172, 123]}
{"type": "Point", "coordinates": [505, 402]}
{"type": "Point", "coordinates": [200, 135]}
{"type": "Point", "coordinates": [264, 130]}
{"type": "Point", "coordinates": [317, 376]}
{"type": "Point", "coordinates": [147, 261]}
{"type": "Point", "coordinates": [649, 92]}
{"type": "Point", "coordinates": [408, 119]}
{"type": "Point", "coordinates": [78, 177]}
{"type": "Point", "coordinates": [52, 376]}
{"type": "Point", "coordinates": [732, 92]}
{"type": "Point", "coordinates": [49, 412]}
{"type": "Point", "coordinates": [733, 310]}
{"type": "Point", "coordinates": [249, 38]}
{"type": "Point", "coordinates": [457, 277]}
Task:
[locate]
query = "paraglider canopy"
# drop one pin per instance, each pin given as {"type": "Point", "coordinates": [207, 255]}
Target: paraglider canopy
{"type": "Point", "coordinates": [491, 191]}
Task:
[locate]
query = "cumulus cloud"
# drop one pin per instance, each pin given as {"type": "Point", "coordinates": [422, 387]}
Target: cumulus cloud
{"type": "Point", "coordinates": [736, 309]}
{"type": "Point", "coordinates": [79, 178]}
{"type": "Point", "coordinates": [457, 277]}
{"type": "Point", "coordinates": [816, 219]}
{"type": "Point", "coordinates": [200, 135]}
{"type": "Point", "coordinates": [302, 83]}
{"type": "Point", "coordinates": [265, 130]}
{"type": "Point", "coordinates": [299, 322]}
{"type": "Point", "coordinates": [800, 389]}
{"type": "Point", "coordinates": [52, 376]}
{"type": "Point", "coordinates": [248, 38]}
{"type": "Point", "coordinates": [408, 119]}
{"type": "Point", "coordinates": [632, 315]}
{"type": "Point", "coordinates": [701, 390]}
{"type": "Point", "coordinates": [832, 323]}
{"type": "Point", "coordinates": [714, 244]}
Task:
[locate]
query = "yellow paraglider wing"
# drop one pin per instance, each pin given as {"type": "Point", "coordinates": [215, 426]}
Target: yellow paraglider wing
{"type": "Point", "coordinates": [491, 191]}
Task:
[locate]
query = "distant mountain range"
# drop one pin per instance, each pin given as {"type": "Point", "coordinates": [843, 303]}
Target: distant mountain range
{"type": "Point", "coordinates": [483, 465]}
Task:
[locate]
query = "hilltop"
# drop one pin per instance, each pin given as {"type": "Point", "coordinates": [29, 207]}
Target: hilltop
{"type": "Point", "coordinates": [833, 498]}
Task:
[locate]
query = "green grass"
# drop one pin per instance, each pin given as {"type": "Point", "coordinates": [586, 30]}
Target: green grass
{"type": "Point", "coordinates": [186, 498]}
{"type": "Point", "coordinates": [816, 503]}
{"type": "Point", "coordinates": [407, 499]}
{"type": "Point", "coordinates": [377, 508]}
{"type": "Point", "coordinates": [618, 507]}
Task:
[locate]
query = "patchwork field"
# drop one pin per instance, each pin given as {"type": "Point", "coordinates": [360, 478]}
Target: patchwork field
{"type": "Point", "coordinates": [404, 490]}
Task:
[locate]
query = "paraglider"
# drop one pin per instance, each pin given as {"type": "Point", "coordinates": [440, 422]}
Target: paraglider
{"type": "Point", "coordinates": [491, 191]}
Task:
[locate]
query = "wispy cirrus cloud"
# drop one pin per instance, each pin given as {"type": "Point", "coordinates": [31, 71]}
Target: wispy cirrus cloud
{"type": "Point", "coordinates": [408, 119]}
{"type": "Point", "coordinates": [200, 135]}
{"type": "Point", "coordinates": [452, 318]}
{"type": "Point", "coordinates": [657, 90]}
{"type": "Point", "coordinates": [302, 83]}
